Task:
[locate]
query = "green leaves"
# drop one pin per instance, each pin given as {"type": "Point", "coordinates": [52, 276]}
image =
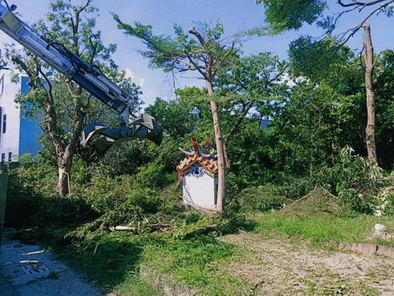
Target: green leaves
{"type": "Point", "coordinates": [316, 59]}
{"type": "Point", "coordinates": [285, 15]}
{"type": "Point", "coordinates": [162, 50]}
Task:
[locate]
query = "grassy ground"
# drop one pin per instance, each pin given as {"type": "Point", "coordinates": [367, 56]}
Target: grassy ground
{"type": "Point", "coordinates": [288, 252]}
{"type": "Point", "coordinates": [283, 255]}
{"type": "Point", "coordinates": [323, 229]}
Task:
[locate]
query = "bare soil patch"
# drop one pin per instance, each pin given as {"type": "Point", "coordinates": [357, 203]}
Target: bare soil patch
{"type": "Point", "coordinates": [285, 267]}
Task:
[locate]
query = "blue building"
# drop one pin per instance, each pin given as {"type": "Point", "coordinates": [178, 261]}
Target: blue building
{"type": "Point", "coordinates": [265, 123]}
{"type": "Point", "coordinates": [18, 134]}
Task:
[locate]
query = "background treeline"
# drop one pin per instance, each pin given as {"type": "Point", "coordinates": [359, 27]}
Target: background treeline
{"type": "Point", "coordinates": [316, 137]}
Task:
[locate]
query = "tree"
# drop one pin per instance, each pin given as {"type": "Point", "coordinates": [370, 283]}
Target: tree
{"type": "Point", "coordinates": [369, 65]}
{"type": "Point", "coordinates": [286, 15]}
{"type": "Point", "coordinates": [206, 54]}
{"type": "Point", "coordinates": [65, 105]}
{"type": "Point", "coordinates": [283, 15]}
{"type": "Point", "coordinates": [176, 117]}
{"type": "Point", "coordinates": [384, 89]}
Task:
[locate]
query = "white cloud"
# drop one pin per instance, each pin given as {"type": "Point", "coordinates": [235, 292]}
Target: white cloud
{"type": "Point", "coordinates": [129, 73]}
{"type": "Point", "coordinates": [141, 82]}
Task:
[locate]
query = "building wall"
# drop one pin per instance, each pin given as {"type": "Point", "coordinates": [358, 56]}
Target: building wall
{"type": "Point", "coordinates": [10, 122]}
{"type": "Point", "coordinates": [29, 132]}
{"type": "Point", "coordinates": [17, 135]}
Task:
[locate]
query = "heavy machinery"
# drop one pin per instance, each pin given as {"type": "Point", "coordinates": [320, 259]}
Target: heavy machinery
{"type": "Point", "coordinates": [87, 76]}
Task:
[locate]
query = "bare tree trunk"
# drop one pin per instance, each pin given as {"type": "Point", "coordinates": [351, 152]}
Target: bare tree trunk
{"type": "Point", "coordinates": [63, 186]}
{"type": "Point", "coordinates": [221, 193]}
{"type": "Point", "coordinates": [369, 65]}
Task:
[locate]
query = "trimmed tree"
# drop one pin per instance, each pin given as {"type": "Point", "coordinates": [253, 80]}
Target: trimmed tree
{"type": "Point", "coordinates": [291, 15]}
{"type": "Point", "coordinates": [61, 105]}
{"type": "Point", "coordinates": [207, 54]}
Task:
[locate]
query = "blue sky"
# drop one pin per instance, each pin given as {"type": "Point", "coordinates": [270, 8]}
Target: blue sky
{"type": "Point", "coordinates": [236, 15]}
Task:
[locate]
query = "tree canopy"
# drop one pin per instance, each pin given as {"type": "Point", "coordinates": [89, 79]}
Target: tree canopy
{"type": "Point", "coordinates": [285, 15]}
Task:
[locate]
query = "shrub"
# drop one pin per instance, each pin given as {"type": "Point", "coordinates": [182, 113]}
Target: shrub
{"type": "Point", "coordinates": [261, 198]}
{"type": "Point", "coordinates": [385, 202]}
{"type": "Point", "coordinates": [27, 184]}
{"type": "Point", "coordinates": [355, 180]}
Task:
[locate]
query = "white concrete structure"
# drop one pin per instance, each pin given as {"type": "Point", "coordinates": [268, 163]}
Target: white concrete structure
{"type": "Point", "coordinates": [198, 172]}
{"type": "Point", "coordinates": [199, 188]}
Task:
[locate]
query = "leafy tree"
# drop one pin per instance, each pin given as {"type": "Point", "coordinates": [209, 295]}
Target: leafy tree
{"type": "Point", "coordinates": [176, 117]}
{"type": "Point", "coordinates": [384, 89]}
{"type": "Point", "coordinates": [251, 84]}
{"type": "Point", "coordinates": [287, 15]}
{"type": "Point", "coordinates": [206, 54]}
{"type": "Point", "coordinates": [64, 105]}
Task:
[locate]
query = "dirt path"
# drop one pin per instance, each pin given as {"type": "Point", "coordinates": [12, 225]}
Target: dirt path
{"type": "Point", "coordinates": [282, 267]}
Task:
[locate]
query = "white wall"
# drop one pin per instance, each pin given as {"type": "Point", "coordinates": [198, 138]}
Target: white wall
{"type": "Point", "coordinates": [9, 141]}
{"type": "Point", "coordinates": [200, 191]}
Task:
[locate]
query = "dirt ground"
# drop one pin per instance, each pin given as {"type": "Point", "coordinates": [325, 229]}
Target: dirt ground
{"type": "Point", "coordinates": [284, 267]}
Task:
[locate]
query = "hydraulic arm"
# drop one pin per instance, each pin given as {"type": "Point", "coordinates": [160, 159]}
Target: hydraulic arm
{"type": "Point", "coordinates": [87, 76]}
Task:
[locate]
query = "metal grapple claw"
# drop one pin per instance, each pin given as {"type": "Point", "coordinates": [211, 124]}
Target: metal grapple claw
{"type": "Point", "coordinates": [102, 137]}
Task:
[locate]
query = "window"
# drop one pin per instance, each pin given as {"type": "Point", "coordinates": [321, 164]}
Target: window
{"type": "Point", "coordinates": [4, 123]}
{"type": "Point", "coordinates": [1, 112]}
{"type": "Point", "coordinates": [2, 157]}
{"type": "Point", "coordinates": [9, 156]}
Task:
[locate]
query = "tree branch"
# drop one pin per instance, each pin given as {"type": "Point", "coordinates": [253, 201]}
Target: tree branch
{"type": "Point", "coordinates": [51, 116]}
{"type": "Point", "coordinates": [223, 58]}
{"type": "Point", "coordinates": [360, 25]}
{"type": "Point", "coordinates": [197, 34]}
{"type": "Point", "coordinates": [24, 67]}
{"type": "Point", "coordinates": [358, 3]}
{"type": "Point", "coordinates": [195, 65]}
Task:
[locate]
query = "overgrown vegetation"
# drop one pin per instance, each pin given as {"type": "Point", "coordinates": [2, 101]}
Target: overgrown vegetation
{"type": "Point", "coordinates": [304, 175]}
{"type": "Point", "coordinates": [165, 238]}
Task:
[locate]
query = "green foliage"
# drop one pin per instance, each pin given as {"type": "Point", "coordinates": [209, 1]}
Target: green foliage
{"type": "Point", "coordinates": [384, 204]}
{"type": "Point", "coordinates": [161, 49]}
{"type": "Point", "coordinates": [355, 180]}
{"type": "Point", "coordinates": [28, 183]}
{"type": "Point", "coordinates": [384, 88]}
{"type": "Point", "coordinates": [154, 176]}
{"type": "Point", "coordinates": [318, 59]}
{"type": "Point", "coordinates": [175, 117]}
{"type": "Point", "coordinates": [287, 15]}
{"type": "Point", "coordinates": [261, 199]}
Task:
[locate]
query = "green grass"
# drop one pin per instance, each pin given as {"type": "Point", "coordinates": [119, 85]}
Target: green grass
{"type": "Point", "coordinates": [192, 258]}
{"type": "Point", "coordinates": [113, 260]}
{"type": "Point", "coordinates": [196, 263]}
{"type": "Point", "coordinates": [356, 228]}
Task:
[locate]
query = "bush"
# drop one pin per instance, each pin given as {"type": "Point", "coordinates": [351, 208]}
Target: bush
{"type": "Point", "coordinates": [355, 180]}
{"type": "Point", "coordinates": [27, 184]}
{"type": "Point", "coordinates": [153, 175]}
{"type": "Point", "coordinates": [261, 198]}
{"type": "Point", "coordinates": [385, 202]}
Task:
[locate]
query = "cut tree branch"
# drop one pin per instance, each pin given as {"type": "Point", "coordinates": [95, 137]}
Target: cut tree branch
{"type": "Point", "coordinates": [197, 34]}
